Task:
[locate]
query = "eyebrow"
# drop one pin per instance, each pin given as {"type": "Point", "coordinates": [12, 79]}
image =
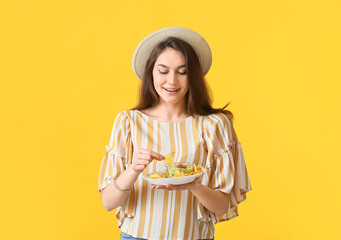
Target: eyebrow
{"type": "Point", "coordinates": [162, 65]}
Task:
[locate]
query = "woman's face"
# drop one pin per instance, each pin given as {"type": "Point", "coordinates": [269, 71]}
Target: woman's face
{"type": "Point", "coordinates": [170, 77]}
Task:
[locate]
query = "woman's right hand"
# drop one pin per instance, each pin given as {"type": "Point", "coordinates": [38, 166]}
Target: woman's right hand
{"type": "Point", "coordinates": [142, 157]}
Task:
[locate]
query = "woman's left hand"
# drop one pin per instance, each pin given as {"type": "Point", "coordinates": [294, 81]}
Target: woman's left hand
{"type": "Point", "coordinates": [187, 186]}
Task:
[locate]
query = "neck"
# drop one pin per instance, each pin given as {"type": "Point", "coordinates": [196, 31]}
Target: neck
{"type": "Point", "coordinates": [171, 111]}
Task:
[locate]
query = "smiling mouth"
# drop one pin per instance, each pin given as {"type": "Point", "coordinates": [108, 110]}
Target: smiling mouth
{"type": "Point", "coordinates": [171, 89]}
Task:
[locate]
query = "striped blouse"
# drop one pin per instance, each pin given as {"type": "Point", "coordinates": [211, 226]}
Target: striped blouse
{"type": "Point", "coordinates": [209, 141]}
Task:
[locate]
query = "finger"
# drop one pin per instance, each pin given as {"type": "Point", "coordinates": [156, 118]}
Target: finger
{"type": "Point", "coordinates": [141, 162]}
{"type": "Point", "coordinates": [140, 155]}
{"type": "Point", "coordinates": [143, 166]}
{"type": "Point", "coordinates": [152, 153]}
{"type": "Point", "coordinates": [146, 157]}
{"type": "Point", "coordinates": [171, 187]}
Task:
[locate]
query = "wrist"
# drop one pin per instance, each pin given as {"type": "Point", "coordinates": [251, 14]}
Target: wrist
{"type": "Point", "coordinates": [195, 186]}
{"type": "Point", "coordinates": [121, 189]}
{"type": "Point", "coordinates": [126, 180]}
{"type": "Point", "coordinates": [132, 172]}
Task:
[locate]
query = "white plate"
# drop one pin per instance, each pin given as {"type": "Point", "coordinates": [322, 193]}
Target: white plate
{"type": "Point", "coordinates": [174, 180]}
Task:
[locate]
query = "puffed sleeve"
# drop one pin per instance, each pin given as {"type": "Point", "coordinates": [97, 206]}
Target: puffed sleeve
{"type": "Point", "coordinates": [226, 169]}
{"type": "Point", "coordinates": [118, 152]}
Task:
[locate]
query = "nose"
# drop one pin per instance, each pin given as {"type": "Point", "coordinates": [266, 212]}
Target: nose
{"type": "Point", "coordinates": [172, 78]}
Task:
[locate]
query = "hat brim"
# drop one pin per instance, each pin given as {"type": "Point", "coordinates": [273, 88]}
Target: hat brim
{"type": "Point", "coordinates": [146, 46]}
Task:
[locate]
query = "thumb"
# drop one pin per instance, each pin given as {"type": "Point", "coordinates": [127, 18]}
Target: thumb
{"type": "Point", "coordinates": [197, 179]}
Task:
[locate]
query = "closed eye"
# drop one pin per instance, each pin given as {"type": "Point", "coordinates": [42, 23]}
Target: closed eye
{"type": "Point", "coordinates": [181, 73]}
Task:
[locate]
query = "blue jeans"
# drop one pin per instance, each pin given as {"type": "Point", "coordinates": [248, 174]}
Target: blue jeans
{"type": "Point", "coordinates": [125, 236]}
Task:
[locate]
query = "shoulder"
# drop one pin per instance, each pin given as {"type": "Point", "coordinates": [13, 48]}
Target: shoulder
{"type": "Point", "coordinates": [126, 114]}
{"type": "Point", "coordinates": [217, 120]}
{"type": "Point", "coordinates": [219, 131]}
{"type": "Point", "coordinates": [121, 116]}
{"type": "Point", "coordinates": [122, 119]}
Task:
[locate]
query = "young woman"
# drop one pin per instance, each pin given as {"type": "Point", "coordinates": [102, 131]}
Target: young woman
{"type": "Point", "coordinates": [174, 114]}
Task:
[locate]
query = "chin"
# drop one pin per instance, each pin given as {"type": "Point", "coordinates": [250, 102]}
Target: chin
{"type": "Point", "coordinates": [167, 100]}
{"type": "Point", "coordinates": [170, 101]}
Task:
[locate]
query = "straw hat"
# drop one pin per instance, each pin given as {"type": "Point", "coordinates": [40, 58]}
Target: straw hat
{"type": "Point", "coordinates": [146, 46]}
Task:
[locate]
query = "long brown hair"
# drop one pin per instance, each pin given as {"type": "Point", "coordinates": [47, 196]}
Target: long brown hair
{"type": "Point", "coordinates": [198, 97]}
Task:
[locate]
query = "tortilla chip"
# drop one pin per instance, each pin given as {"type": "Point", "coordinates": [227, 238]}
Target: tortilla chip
{"type": "Point", "coordinates": [164, 175]}
{"type": "Point", "coordinates": [169, 159]}
{"type": "Point", "coordinates": [194, 167]}
{"type": "Point", "coordinates": [155, 175]}
{"type": "Point", "coordinates": [179, 173]}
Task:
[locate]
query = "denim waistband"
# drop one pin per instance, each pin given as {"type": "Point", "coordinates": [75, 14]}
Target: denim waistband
{"type": "Point", "coordinates": [125, 236]}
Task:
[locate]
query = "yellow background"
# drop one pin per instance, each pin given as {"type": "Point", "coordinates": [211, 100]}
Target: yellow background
{"type": "Point", "coordinates": [66, 72]}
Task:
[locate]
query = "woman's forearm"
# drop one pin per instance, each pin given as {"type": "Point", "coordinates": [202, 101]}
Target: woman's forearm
{"type": "Point", "coordinates": [214, 200]}
{"type": "Point", "coordinates": [111, 196]}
